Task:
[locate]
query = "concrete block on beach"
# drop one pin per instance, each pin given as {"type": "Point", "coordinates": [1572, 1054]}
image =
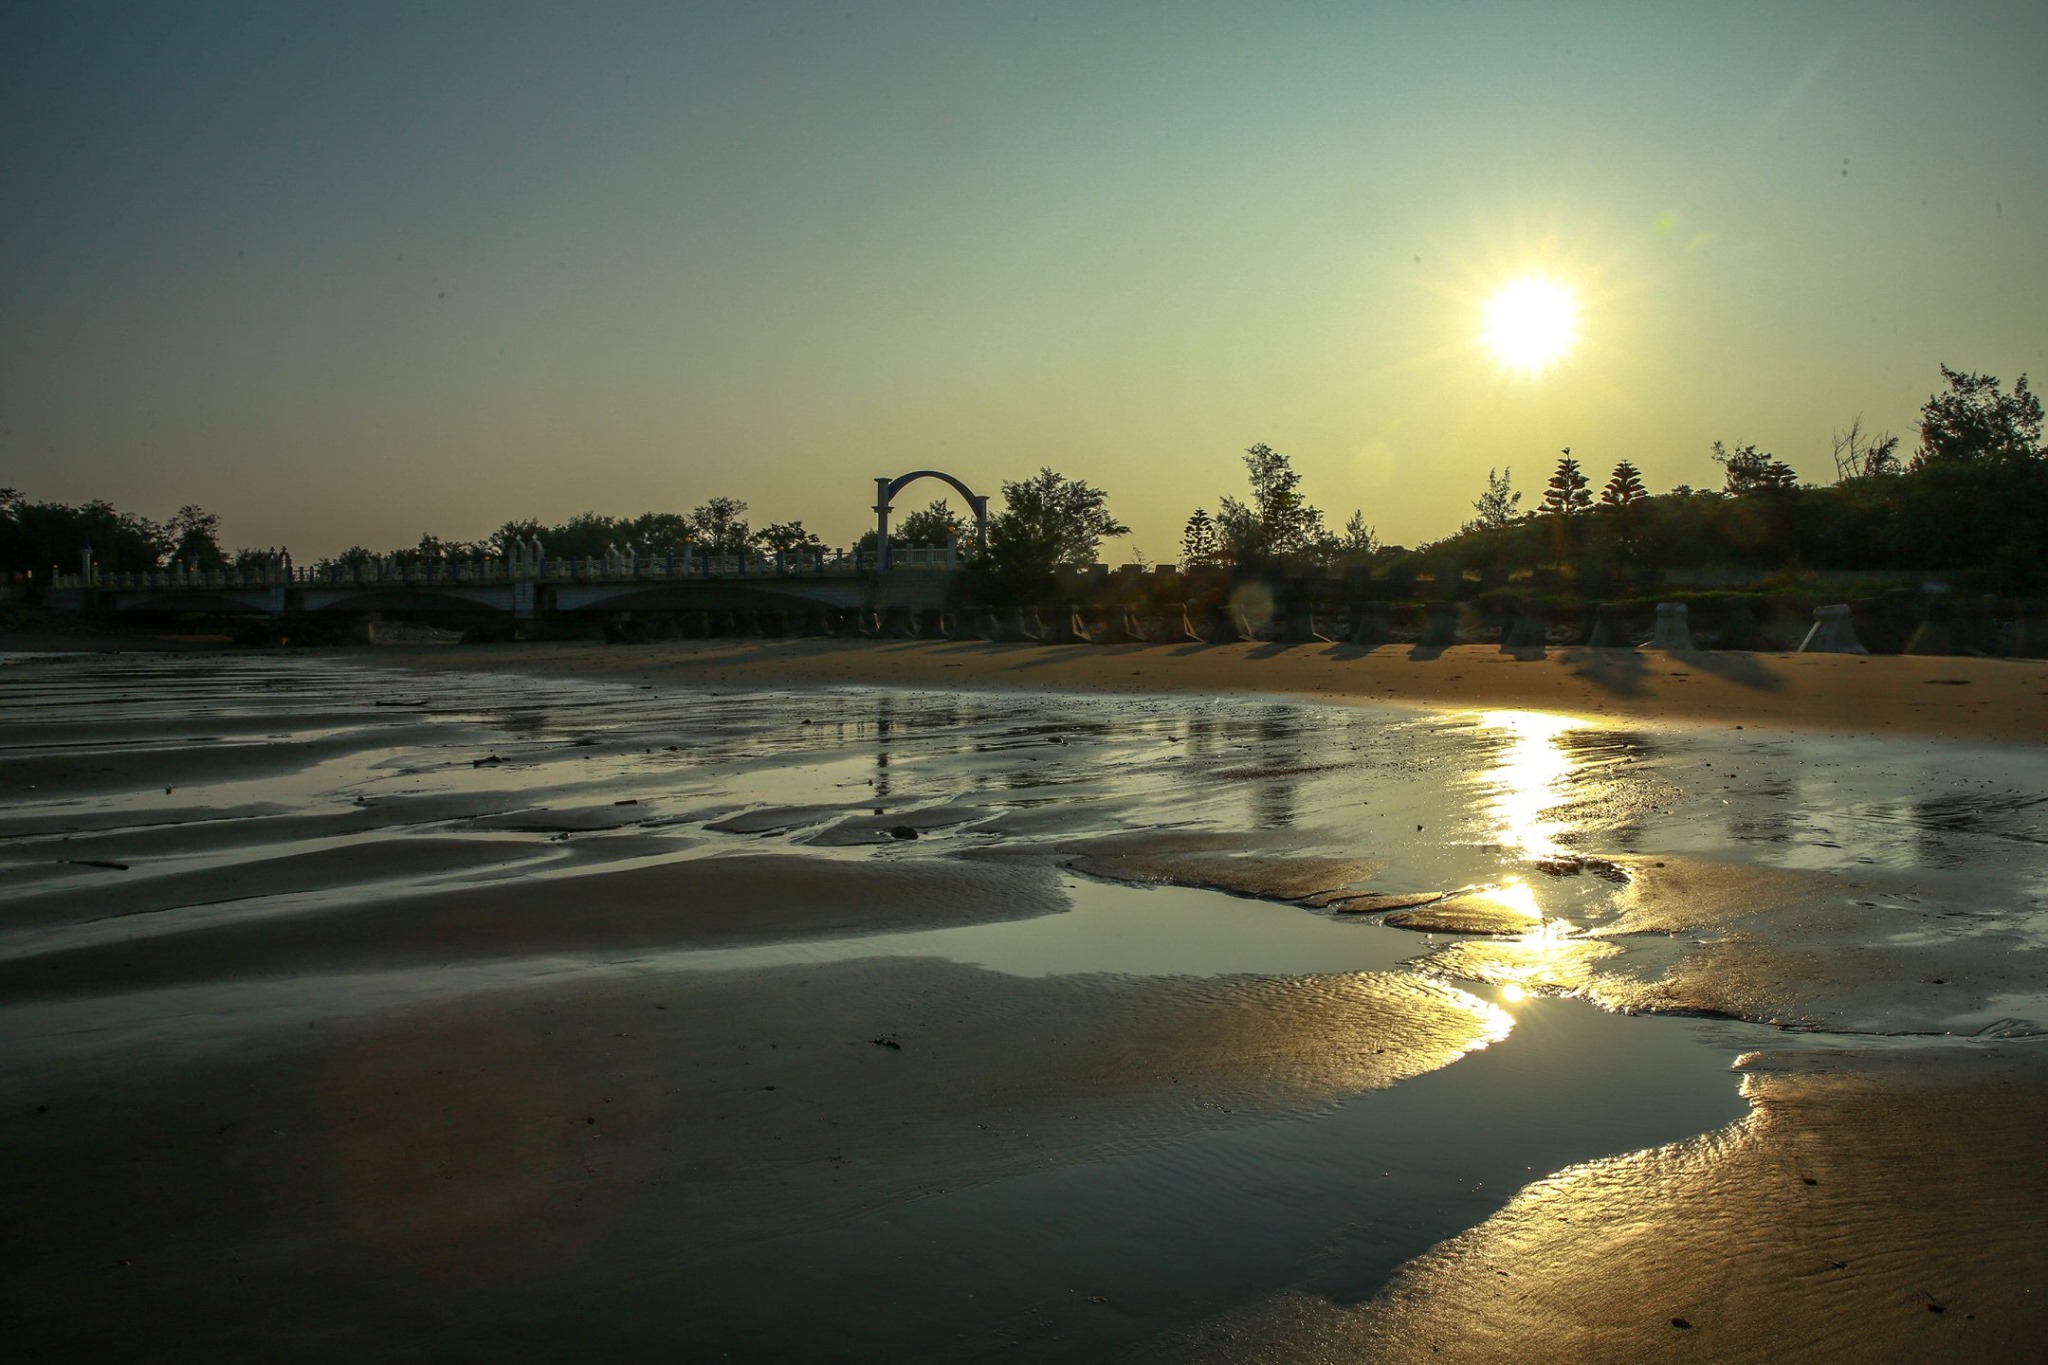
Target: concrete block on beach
{"type": "Point", "coordinates": [1936, 632]}
{"type": "Point", "coordinates": [1527, 630]}
{"type": "Point", "coordinates": [967, 626]}
{"type": "Point", "coordinates": [1833, 632]}
{"type": "Point", "coordinates": [1226, 626]}
{"type": "Point", "coordinates": [2029, 638]}
{"type": "Point", "coordinates": [1610, 628]}
{"type": "Point", "coordinates": [1119, 627]}
{"type": "Point", "coordinates": [1369, 627]}
{"type": "Point", "coordinates": [1674, 630]}
{"type": "Point", "coordinates": [1020, 629]}
{"type": "Point", "coordinates": [1068, 629]}
{"type": "Point", "coordinates": [1175, 628]}
{"type": "Point", "coordinates": [1440, 625]}
{"type": "Point", "coordinates": [1299, 628]}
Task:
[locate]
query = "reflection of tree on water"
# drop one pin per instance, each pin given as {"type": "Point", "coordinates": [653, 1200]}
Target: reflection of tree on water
{"type": "Point", "coordinates": [1274, 799]}
{"type": "Point", "coordinates": [885, 729]}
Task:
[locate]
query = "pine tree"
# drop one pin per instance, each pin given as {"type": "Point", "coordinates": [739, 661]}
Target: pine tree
{"type": "Point", "coordinates": [1200, 542]}
{"type": "Point", "coordinates": [1567, 492]}
{"type": "Point", "coordinates": [1625, 488]}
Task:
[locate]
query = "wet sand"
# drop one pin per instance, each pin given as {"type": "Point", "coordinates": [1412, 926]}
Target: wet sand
{"type": "Point", "coordinates": [1875, 1207]}
{"type": "Point", "coordinates": [527, 1014]}
{"type": "Point", "coordinates": [1962, 698]}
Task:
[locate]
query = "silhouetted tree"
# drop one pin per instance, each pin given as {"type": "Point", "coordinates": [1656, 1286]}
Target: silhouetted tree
{"type": "Point", "coordinates": [37, 536]}
{"type": "Point", "coordinates": [929, 525]}
{"type": "Point", "coordinates": [1278, 520]}
{"type": "Point", "coordinates": [1047, 520]}
{"type": "Point", "coordinates": [1566, 494]}
{"type": "Point", "coordinates": [1858, 456]}
{"type": "Point", "coordinates": [195, 534]}
{"type": "Point", "coordinates": [653, 533]}
{"type": "Point", "coordinates": [1748, 471]}
{"type": "Point", "coordinates": [1498, 507]}
{"type": "Point", "coordinates": [1624, 487]}
{"type": "Point", "coordinates": [1973, 422]}
{"type": "Point", "coordinates": [787, 537]}
{"type": "Point", "coordinates": [1201, 544]}
{"type": "Point", "coordinates": [1358, 541]}
{"type": "Point", "coordinates": [717, 527]}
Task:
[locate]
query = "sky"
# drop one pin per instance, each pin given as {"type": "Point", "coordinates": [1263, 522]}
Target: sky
{"type": "Point", "coordinates": [348, 273]}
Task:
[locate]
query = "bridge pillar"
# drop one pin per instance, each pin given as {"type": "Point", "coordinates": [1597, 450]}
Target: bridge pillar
{"type": "Point", "coordinates": [882, 496]}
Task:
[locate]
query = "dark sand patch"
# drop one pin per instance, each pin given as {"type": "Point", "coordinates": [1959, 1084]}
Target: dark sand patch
{"type": "Point", "coordinates": [749, 898]}
{"type": "Point", "coordinates": [363, 865]}
{"type": "Point", "coordinates": [457, 1180]}
{"type": "Point", "coordinates": [69, 774]}
{"type": "Point", "coordinates": [1253, 863]}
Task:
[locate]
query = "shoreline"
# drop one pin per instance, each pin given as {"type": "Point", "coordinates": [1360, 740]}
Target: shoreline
{"type": "Point", "coordinates": [1990, 700]}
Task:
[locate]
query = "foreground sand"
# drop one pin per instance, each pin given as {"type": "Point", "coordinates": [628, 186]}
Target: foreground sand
{"type": "Point", "coordinates": [1961, 698]}
{"type": "Point", "coordinates": [342, 1176]}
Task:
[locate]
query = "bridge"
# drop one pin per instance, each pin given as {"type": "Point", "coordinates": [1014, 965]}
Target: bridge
{"type": "Point", "coordinates": [525, 584]}
{"type": "Point", "coordinates": [525, 588]}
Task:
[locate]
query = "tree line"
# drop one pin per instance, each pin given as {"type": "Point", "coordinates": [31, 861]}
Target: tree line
{"type": "Point", "coordinates": [1973, 494]}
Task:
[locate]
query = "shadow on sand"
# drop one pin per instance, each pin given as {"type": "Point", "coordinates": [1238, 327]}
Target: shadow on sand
{"type": "Point", "coordinates": [1743, 669]}
{"type": "Point", "coordinates": [1626, 672]}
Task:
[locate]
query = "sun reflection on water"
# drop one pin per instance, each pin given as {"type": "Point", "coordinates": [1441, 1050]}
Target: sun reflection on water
{"type": "Point", "coordinates": [1513, 895]}
{"type": "Point", "coordinates": [1527, 782]}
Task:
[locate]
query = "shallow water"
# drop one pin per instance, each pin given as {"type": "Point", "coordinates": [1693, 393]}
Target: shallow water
{"type": "Point", "coordinates": [1941, 842]}
{"type": "Point", "coordinates": [149, 797]}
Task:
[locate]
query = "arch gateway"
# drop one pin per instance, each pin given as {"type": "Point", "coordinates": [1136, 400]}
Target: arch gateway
{"type": "Point", "coordinates": [887, 489]}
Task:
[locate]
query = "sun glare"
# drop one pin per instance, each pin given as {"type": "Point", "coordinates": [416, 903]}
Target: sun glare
{"type": "Point", "coordinates": [1531, 323]}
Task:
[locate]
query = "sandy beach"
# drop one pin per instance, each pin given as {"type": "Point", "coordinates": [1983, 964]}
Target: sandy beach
{"type": "Point", "coordinates": [1961, 698]}
{"type": "Point", "coordinates": [829, 1000]}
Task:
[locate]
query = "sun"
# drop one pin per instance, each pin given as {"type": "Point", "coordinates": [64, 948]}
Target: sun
{"type": "Point", "coordinates": [1531, 323]}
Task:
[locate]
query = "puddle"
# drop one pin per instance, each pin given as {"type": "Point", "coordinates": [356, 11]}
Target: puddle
{"type": "Point", "coordinates": [1103, 1254]}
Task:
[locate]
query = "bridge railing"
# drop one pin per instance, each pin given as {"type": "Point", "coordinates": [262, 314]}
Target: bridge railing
{"type": "Point", "coordinates": [612, 567]}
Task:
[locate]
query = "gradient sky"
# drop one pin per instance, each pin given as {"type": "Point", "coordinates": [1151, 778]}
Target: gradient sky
{"type": "Point", "coordinates": [346, 273]}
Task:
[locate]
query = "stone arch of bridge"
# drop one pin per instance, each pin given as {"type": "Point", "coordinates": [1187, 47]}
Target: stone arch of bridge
{"type": "Point", "coordinates": [887, 489]}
